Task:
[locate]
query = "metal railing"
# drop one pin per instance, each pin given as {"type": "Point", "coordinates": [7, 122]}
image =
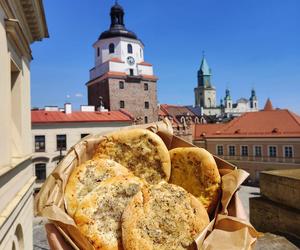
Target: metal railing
{"type": "Point", "coordinates": [263, 158]}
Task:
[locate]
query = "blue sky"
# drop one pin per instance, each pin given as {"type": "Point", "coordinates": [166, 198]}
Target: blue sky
{"type": "Point", "coordinates": [247, 43]}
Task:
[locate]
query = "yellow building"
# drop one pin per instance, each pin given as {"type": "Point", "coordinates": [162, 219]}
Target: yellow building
{"type": "Point", "coordinates": [21, 23]}
{"type": "Point", "coordinates": [256, 141]}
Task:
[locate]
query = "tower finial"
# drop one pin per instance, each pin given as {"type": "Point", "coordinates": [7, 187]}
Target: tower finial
{"type": "Point", "coordinates": [203, 53]}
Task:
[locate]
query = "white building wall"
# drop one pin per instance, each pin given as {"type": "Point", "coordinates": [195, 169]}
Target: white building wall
{"type": "Point", "coordinates": [120, 50]}
{"type": "Point", "coordinates": [16, 172]}
{"type": "Point", "coordinates": [145, 70]}
{"type": "Point", "coordinates": [73, 133]}
{"type": "Point", "coordinates": [102, 64]}
{"type": "Point", "coordinates": [5, 106]}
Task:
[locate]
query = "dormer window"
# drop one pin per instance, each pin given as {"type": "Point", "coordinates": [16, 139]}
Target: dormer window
{"type": "Point", "coordinates": [98, 52]}
{"type": "Point", "coordinates": [129, 49]}
{"type": "Point", "coordinates": [111, 48]}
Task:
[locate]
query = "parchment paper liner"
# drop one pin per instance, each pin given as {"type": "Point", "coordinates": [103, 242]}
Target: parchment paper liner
{"type": "Point", "coordinates": [229, 229]}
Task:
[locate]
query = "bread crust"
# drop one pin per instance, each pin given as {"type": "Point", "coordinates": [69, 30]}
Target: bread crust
{"type": "Point", "coordinates": [98, 216]}
{"type": "Point", "coordinates": [196, 171]}
{"type": "Point", "coordinates": [140, 150]}
{"type": "Point", "coordinates": [88, 176]}
{"type": "Point", "coordinates": [162, 217]}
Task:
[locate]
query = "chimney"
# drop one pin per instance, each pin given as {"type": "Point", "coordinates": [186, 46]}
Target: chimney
{"type": "Point", "coordinates": [68, 108]}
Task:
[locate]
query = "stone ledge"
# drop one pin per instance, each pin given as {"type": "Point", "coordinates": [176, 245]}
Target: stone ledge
{"type": "Point", "coordinates": [269, 216]}
{"type": "Point", "coordinates": [282, 186]}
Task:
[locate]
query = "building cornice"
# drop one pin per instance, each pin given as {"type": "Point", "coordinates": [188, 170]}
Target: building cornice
{"type": "Point", "coordinates": [16, 35]}
{"type": "Point", "coordinates": [121, 75]}
{"type": "Point", "coordinates": [35, 16]}
{"type": "Point", "coordinates": [257, 139]}
{"type": "Point", "coordinates": [31, 16]}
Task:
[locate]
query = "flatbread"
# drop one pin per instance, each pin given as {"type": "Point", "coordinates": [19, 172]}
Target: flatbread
{"type": "Point", "coordinates": [140, 150]}
{"type": "Point", "coordinates": [163, 217]}
{"type": "Point", "coordinates": [196, 171]}
{"type": "Point", "coordinates": [88, 176]}
{"type": "Point", "coordinates": [98, 216]}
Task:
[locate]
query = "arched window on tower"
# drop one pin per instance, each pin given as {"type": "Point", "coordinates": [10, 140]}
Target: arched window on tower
{"type": "Point", "coordinates": [209, 102]}
{"type": "Point", "coordinates": [129, 48]}
{"type": "Point", "coordinates": [98, 51]}
{"type": "Point", "coordinates": [111, 48]}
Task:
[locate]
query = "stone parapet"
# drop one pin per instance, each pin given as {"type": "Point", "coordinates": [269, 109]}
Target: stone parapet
{"type": "Point", "coordinates": [282, 186]}
{"type": "Point", "coordinates": [277, 210]}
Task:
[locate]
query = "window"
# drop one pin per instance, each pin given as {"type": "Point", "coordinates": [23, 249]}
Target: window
{"type": "Point", "coordinates": [61, 142]}
{"type": "Point", "coordinates": [129, 49]}
{"type": "Point", "coordinates": [146, 119]}
{"type": "Point", "coordinates": [288, 152]}
{"type": "Point", "coordinates": [121, 85]}
{"type": "Point", "coordinates": [131, 72]}
{"type": "Point", "coordinates": [111, 48]}
{"type": "Point", "coordinates": [244, 150]}
{"type": "Point", "coordinates": [272, 151]}
{"type": "Point", "coordinates": [220, 150]}
{"type": "Point", "coordinates": [257, 151]}
{"type": "Point", "coordinates": [40, 171]}
{"type": "Point", "coordinates": [231, 150]}
{"type": "Point", "coordinates": [146, 105]}
{"type": "Point", "coordinates": [84, 135]}
{"type": "Point", "coordinates": [98, 52]}
{"type": "Point", "coordinates": [39, 141]}
{"type": "Point", "coordinates": [146, 86]}
{"type": "Point", "coordinates": [122, 104]}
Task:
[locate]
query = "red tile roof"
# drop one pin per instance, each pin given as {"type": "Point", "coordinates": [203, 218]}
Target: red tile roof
{"type": "Point", "coordinates": [121, 75]}
{"type": "Point", "coordinates": [145, 64]}
{"type": "Point", "coordinates": [42, 116]}
{"type": "Point", "coordinates": [149, 77]}
{"type": "Point", "coordinates": [274, 123]}
{"type": "Point", "coordinates": [175, 111]}
{"type": "Point", "coordinates": [115, 59]}
{"type": "Point", "coordinates": [207, 129]}
{"type": "Point", "coordinates": [268, 105]}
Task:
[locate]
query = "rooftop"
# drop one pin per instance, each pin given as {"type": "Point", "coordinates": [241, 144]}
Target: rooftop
{"type": "Point", "coordinates": [44, 117]}
{"type": "Point", "coordinates": [264, 123]}
{"type": "Point", "coordinates": [276, 123]}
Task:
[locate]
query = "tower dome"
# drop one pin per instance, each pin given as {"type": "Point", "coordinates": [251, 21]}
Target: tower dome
{"type": "Point", "coordinates": [117, 26]}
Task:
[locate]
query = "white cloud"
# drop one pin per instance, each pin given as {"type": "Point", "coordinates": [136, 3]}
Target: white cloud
{"type": "Point", "coordinates": [78, 95]}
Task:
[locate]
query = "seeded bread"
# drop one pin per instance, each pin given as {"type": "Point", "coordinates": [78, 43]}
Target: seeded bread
{"type": "Point", "coordinates": [162, 217]}
{"type": "Point", "coordinates": [98, 216]}
{"type": "Point", "coordinates": [88, 176]}
{"type": "Point", "coordinates": [141, 151]}
{"type": "Point", "coordinates": [196, 171]}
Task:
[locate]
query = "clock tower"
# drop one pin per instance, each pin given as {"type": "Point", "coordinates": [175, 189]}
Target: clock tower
{"type": "Point", "coordinates": [121, 79]}
{"type": "Point", "coordinates": [205, 92]}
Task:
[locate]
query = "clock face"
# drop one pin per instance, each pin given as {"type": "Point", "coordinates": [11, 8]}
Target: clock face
{"type": "Point", "coordinates": [130, 60]}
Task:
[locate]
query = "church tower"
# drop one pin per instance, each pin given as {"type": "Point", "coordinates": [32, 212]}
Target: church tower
{"type": "Point", "coordinates": [227, 100]}
{"type": "Point", "coordinates": [253, 101]}
{"type": "Point", "coordinates": [121, 79]}
{"type": "Point", "coordinates": [205, 93]}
